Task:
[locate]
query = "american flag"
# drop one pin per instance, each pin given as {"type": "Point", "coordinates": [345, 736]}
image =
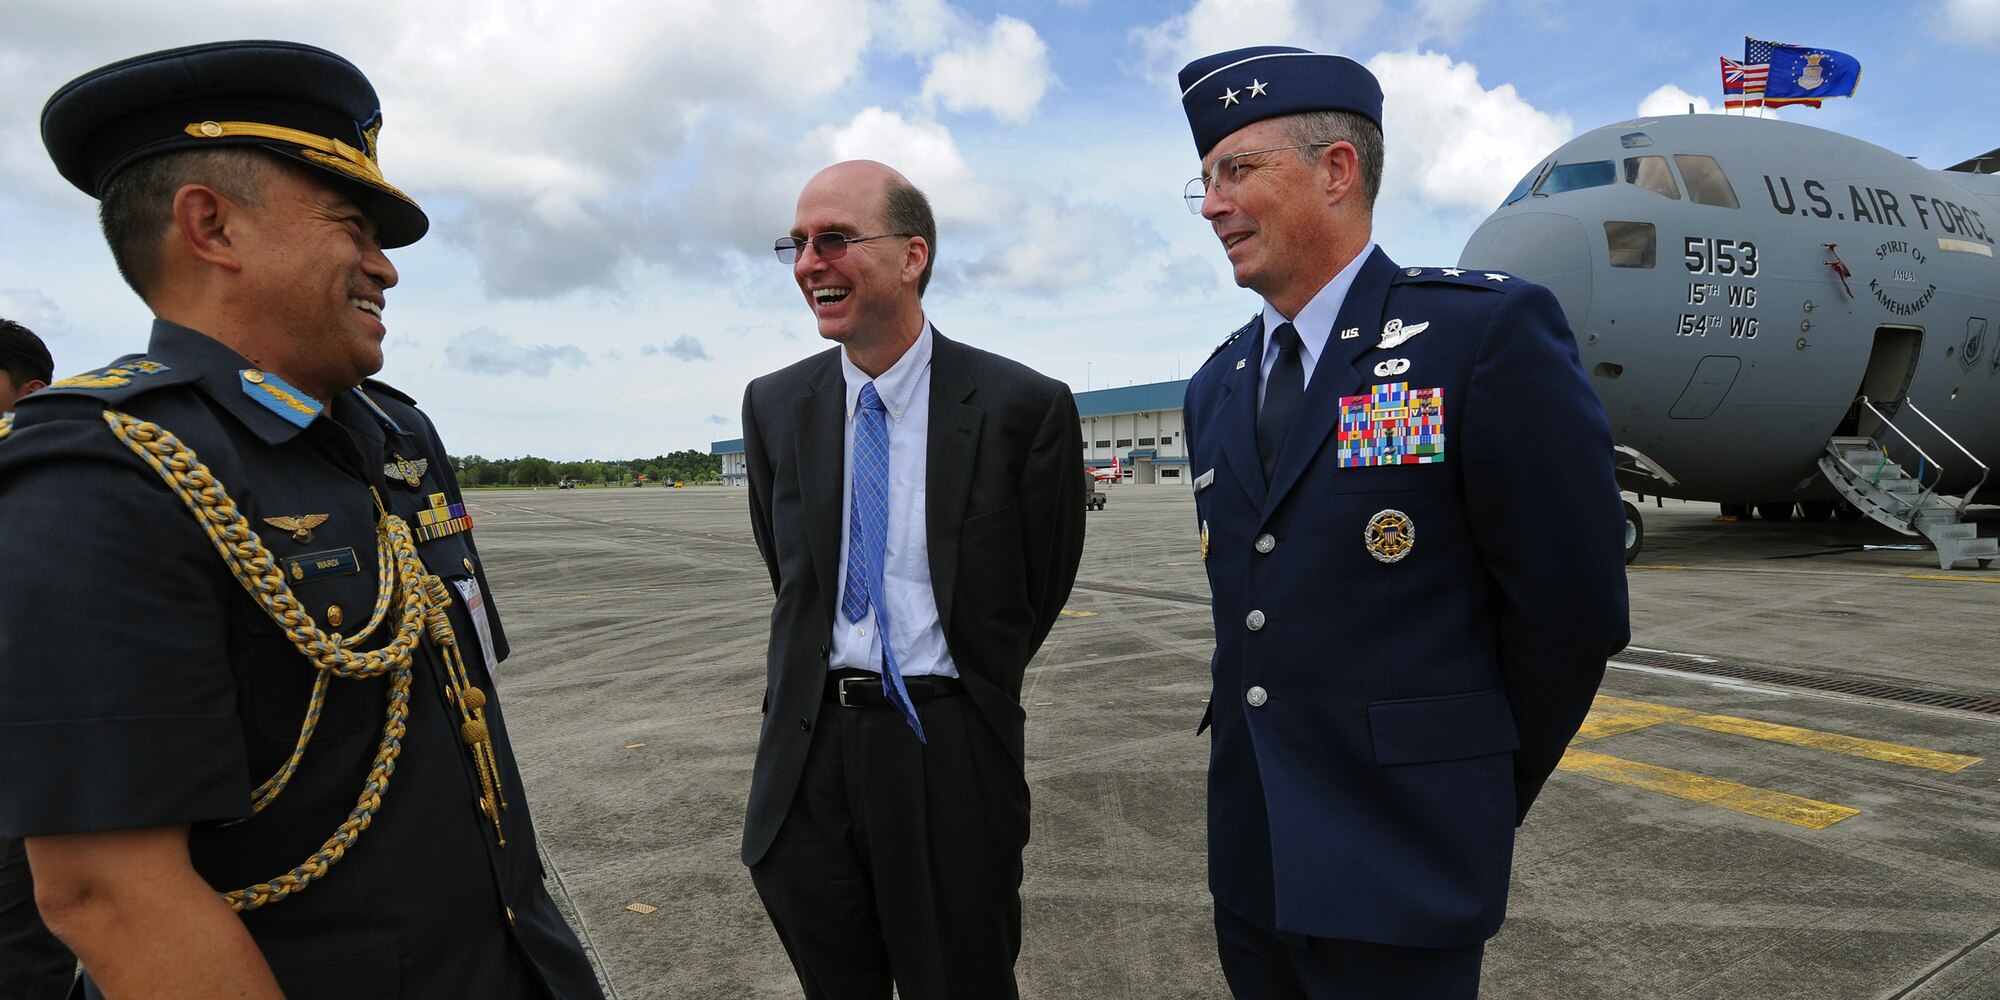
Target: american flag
{"type": "Point", "coordinates": [1756, 69]}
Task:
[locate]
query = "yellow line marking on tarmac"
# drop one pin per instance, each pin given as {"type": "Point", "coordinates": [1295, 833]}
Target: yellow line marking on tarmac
{"type": "Point", "coordinates": [1953, 579]}
{"type": "Point", "coordinates": [1894, 753]}
{"type": "Point", "coordinates": [1611, 716]}
{"type": "Point", "coordinates": [1067, 613]}
{"type": "Point", "coordinates": [1750, 801]}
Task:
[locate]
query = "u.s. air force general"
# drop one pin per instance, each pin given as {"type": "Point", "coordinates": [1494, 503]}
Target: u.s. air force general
{"type": "Point", "coordinates": [247, 706]}
{"type": "Point", "coordinates": [1405, 499]}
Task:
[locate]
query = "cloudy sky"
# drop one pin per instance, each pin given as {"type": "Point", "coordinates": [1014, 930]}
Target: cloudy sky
{"type": "Point", "coordinates": [604, 179]}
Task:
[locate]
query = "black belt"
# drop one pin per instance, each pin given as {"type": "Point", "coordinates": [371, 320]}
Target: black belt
{"type": "Point", "coordinates": [863, 689]}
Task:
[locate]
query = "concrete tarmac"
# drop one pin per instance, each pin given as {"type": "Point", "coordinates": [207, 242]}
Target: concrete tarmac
{"type": "Point", "coordinates": [1788, 789]}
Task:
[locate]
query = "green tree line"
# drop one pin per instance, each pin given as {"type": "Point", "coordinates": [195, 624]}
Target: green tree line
{"type": "Point", "coordinates": [688, 466]}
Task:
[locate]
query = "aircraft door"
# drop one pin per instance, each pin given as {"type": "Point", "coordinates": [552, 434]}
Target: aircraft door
{"type": "Point", "coordinates": [1891, 365]}
{"type": "Point", "coordinates": [1704, 392]}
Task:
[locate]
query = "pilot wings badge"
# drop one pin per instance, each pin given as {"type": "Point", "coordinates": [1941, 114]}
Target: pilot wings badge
{"type": "Point", "coordinates": [301, 526]}
{"type": "Point", "coordinates": [411, 473]}
{"type": "Point", "coordinates": [1394, 332]}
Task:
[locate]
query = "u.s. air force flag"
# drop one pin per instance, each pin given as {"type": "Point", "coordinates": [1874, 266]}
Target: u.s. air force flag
{"type": "Point", "coordinates": [1803, 71]}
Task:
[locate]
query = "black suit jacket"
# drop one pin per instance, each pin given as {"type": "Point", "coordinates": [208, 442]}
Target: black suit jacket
{"type": "Point", "coordinates": [1003, 525]}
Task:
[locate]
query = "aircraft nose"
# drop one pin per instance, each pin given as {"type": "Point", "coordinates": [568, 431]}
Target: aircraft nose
{"type": "Point", "coordinates": [1548, 249]}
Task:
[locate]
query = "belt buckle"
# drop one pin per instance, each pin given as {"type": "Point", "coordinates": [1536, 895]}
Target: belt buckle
{"type": "Point", "coordinates": [844, 682]}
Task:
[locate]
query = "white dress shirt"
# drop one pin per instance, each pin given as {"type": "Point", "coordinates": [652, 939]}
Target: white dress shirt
{"type": "Point", "coordinates": [1314, 323]}
{"type": "Point", "coordinates": [915, 631]}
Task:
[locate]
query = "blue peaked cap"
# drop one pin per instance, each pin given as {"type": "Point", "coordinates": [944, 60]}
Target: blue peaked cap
{"type": "Point", "coordinates": [1228, 90]}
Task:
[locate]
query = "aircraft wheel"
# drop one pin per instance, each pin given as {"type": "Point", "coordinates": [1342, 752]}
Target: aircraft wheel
{"type": "Point", "coordinates": [1635, 532]}
{"type": "Point", "coordinates": [1734, 511]}
{"type": "Point", "coordinates": [1846, 511]}
{"type": "Point", "coordinates": [1815, 511]}
{"type": "Point", "coordinates": [1775, 511]}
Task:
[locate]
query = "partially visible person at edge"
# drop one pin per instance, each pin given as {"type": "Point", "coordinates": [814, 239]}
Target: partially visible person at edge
{"type": "Point", "coordinates": [152, 679]}
{"type": "Point", "coordinates": [25, 365]}
{"type": "Point", "coordinates": [1403, 487]}
{"type": "Point", "coordinates": [914, 499]}
{"type": "Point", "coordinates": [34, 965]}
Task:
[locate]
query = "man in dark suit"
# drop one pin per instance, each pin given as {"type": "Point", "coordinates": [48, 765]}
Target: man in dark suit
{"type": "Point", "coordinates": [915, 501]}
{"type": "Point", "coordinates": [1412, 535]}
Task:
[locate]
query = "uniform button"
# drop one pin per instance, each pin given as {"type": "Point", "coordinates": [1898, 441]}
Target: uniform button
{"type": "Point", "coordinates": [1256, 696]}
{"type": "Point", "coordinates": [253, 376]}
{"type": "Point", "coordinates": [1265, 543]}
{"type": "Point", "coordinates": [805, 725]}
{"type": "Point", "coordinates": [862, 631]}
{"type": "Point", "coordinates": [1255, 620]}
{"type": "Point", "coordinates": [468, 565]}
{"type": "Point", "coordinates": [334, 616]}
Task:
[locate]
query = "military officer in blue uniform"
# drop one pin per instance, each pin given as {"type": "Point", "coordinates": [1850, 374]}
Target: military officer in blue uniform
{"type": "Point", "coordinates": [1404, 490]}
{"type": "Point", "coordinates": [247, 706]}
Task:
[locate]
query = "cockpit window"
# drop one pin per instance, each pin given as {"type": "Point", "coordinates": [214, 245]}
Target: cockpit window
{"type": "Point", "coordinates": [1651, 173]}
{"type": "Point", "coordinates": [1577, 176]}
{"type": "Point", "coordinates": [1706, 182]}
{"type": "Point", "coordinates": [1632, 244]}
{"type": "Point", "coordinates": [1521, 190]}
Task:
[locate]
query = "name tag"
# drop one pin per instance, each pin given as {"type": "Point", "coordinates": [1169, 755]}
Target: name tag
{"type": "Point", "coordinates": [1392, 425]}
{"type": "Point", "coordinates": [321, 565]}
{"type": "Point", "coordinates": [1204, 481]}
{"type": "Point", "coordinates": [475, 607]}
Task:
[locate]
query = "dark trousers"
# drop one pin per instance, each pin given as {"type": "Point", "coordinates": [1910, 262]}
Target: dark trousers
{"type": "Point", "coordinates": [899, 861]}
{"type": "Point", "coordinates": [33, 964]}
{"type": "Point", "coordinates": [1265, 964]}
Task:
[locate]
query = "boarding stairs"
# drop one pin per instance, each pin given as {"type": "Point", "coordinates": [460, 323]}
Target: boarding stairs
{"type": "Point", "coordinates": [1861, 469]}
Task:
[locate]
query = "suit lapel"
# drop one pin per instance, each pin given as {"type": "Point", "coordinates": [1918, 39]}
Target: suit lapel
{"type": "Point", "coordinates": [948, 456]}
{"type": "Point", "coordinates": [1335, 374]}
{"type": "Point", "coordinates": [819, 423]}
{"type": "Point", "coordinates": [1236, 413]}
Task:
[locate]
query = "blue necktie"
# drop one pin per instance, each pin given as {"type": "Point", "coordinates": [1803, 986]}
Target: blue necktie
{"type": "Point", "coordinates": [867, 531]}
{"type": "Point", "coordinates": [1281, 398]}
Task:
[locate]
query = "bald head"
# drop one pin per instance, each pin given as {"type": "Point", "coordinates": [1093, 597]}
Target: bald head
{"type": "Point", "coordinates": [887, 200]}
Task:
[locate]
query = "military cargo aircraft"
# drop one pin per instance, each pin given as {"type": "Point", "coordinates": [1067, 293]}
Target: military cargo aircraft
{"type": "Point", "coordinates": [1775, 316]}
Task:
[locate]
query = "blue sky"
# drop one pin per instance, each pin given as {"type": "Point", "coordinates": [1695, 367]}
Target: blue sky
{"type": "Point", "coordinates": [604, 179]}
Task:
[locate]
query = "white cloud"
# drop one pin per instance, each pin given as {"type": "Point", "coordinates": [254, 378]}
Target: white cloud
{"type": "Point", "coordinates": [1052, 247]}
{"type": "Point", "coordinates": [687, 348]}
{"type": "Point", "coordinates": [1007, 73]}
{"type": "Point", "coordinates": [483, 351]}
{"type": "Point", "coordinates": [1457, 142]}
{"type": "Point", "coordinates": [1212, 26]}
{"type": "Point", "coordinates": [1671, 100]}
{"type": "Point", "coordinates": [917, 27]}
{"type": "Point", "coordinates": [34, 310]}
{"type": "Point", "coordinates": [925, 152]}
{"type": "Point", "coordinates": [1976, 22]}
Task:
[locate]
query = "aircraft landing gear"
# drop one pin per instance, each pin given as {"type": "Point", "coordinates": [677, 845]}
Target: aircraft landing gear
{"type": "Point", "coordinates": [1635, 532]}
{"type": "Point", "coordinates": [1815, 511]}
{"type": "Point", "coordinates": [1775, 511]}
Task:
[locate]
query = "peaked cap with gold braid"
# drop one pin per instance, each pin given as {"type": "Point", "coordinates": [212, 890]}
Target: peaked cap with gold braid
{"type": "Point", "coordinates": [297, 101]}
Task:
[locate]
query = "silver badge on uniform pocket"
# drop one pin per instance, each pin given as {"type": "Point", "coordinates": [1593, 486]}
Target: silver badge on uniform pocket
{"type": "Point", "coordinates": [1390, 535]}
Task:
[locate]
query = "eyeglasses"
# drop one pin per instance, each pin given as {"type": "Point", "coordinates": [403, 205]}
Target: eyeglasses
{"type": "Point", "coordinates": [829, 246]}
{"type": "Point", "coordinates": [1228, 170]}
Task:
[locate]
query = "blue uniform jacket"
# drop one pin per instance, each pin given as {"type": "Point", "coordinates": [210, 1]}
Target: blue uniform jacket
{"type": "Point", "coordinates": [1381, 727]}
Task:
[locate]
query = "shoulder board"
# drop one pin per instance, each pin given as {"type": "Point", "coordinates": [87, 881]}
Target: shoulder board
{"type": "Point", "coordinates": [1464, 277]}
{"type": "Point", "coordinates": [384, 389]}
{"type": "Point", "coordinates": [122, 380]}
{"type": "Point", "coordinates": [1234, 337]}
